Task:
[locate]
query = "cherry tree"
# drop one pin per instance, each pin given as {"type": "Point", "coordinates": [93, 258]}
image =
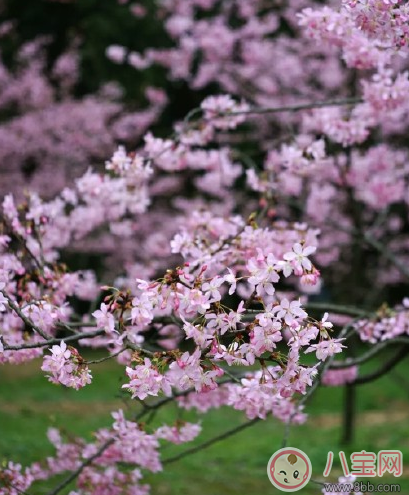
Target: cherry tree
{"type": "Point", "coordinates": [224, 237]}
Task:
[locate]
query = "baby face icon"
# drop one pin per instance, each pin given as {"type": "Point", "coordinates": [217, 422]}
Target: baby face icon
{"type": "Point", "coordinates": [289, 469]}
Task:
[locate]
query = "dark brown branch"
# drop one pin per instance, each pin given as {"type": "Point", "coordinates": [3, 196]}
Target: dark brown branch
{"type": "Point", "coordinates": [387, 254]}
{"type": "Point", "coordinates": [297, 108]}
{"type": "Point", "coordinates": [212, 441]}
{"type": "Point", "coordinates": [338, 309]}
{"type": "Point", "coordinates": [49, 342]}
{"type": "Point", "coordinates": [376, 349]}
{"type": "Point", "coordinates": [385, 368]}
{"type": "Point", "coordinates": [269, 110]}
{"type": "Point", "coordinates": [106, 358]}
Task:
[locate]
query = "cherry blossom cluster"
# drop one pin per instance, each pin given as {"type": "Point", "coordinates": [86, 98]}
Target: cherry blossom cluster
{"type": "Point", "coordinates": [65, 366]}
{"type": "Point", "coordinates": [337, 377]}
{"type": "Point", "coordinates": [180, 433]}
{"type": "Point", "coordinates": [49, 125]}
{"type": "Point", "coordinates": [196, 300]}
{"type": "Point", "coordinates": [387, 324]}
{"type": "Point", "coordinates": [384, 20]}
{"type": "Point", "coordinates": [14, 479]}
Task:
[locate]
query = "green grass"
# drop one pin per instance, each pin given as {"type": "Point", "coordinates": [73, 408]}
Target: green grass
{"type": "Point", "coordinates": [237, 465]}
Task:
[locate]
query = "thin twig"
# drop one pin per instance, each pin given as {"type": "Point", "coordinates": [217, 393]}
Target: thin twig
{"type": "Point", "coordinates": [75, 324]}
{"type": "Point", "coordinates": [232, 376]}
{"type": "Point", "coordinates": [330, 307]}
{"type": "Point", "coordinates": [296, 108]}
{"type": "Point", "coordinates": [338, 309]}
{"type": "Point", "coordinates": [46, 343]}
{"type": "Point", "coordinates": [212, 441]}
{"type": "Point", "coordinates": [137, 348]}
{"type": "Point", "coordinates": [106, 358]}
{"type": "Point", "coordinates": [368, 355]}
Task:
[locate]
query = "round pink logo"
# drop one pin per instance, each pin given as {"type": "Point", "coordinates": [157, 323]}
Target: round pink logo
{"type": "Point", "coordinates": [289, 469]}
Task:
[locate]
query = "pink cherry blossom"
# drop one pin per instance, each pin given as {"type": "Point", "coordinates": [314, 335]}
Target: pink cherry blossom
{"type": "Point", "coordinates": [65, 367]}
{"type": "Point", "coordinates": [290, 312]}
{"type": "Point", "coordinates": [105, 319]}
{"type": "Point", "coordinates": [298, 258]}
{"type": "Point", "coordinates": [180, 433]}
{"type": "Point", "coordinates": [145, 380]}
{"type": "Point", "coordinates": [326, 348]}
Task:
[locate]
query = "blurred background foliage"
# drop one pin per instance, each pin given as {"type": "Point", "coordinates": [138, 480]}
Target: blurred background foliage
{"type": "Point", "coordinates": [97, 25]}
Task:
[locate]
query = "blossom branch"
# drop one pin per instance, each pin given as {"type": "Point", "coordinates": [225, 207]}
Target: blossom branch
{"type": "Point", "coordinates": [25, 319]}
{"type": "Point", "coordinates": [147, 409]}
